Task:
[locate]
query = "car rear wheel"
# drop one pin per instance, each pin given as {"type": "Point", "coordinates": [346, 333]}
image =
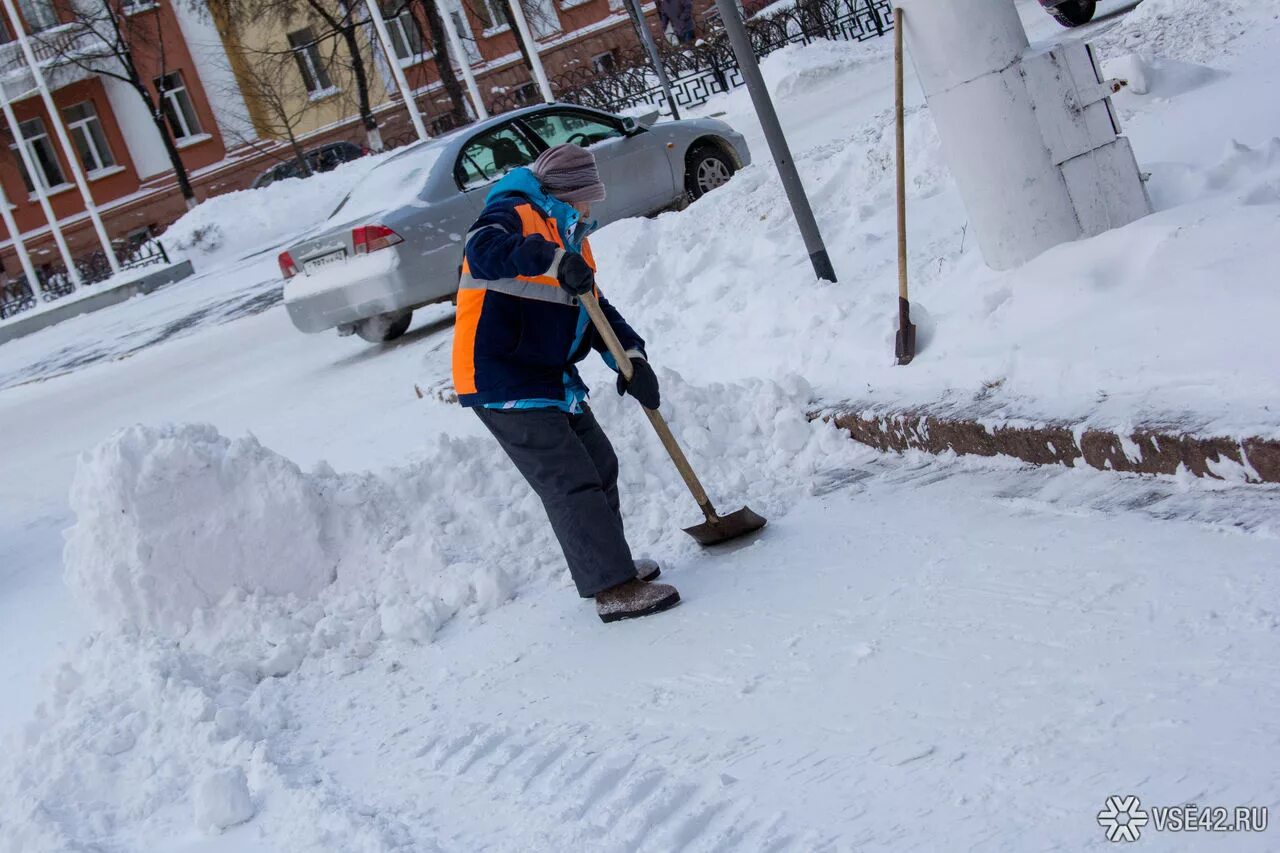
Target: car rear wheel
{"type": "Point", "coordinates": [1074, 13]}
{"type": "Point", "coordinates": [708, 168]}
{"type": "Point", "coordinates": [384, 327]}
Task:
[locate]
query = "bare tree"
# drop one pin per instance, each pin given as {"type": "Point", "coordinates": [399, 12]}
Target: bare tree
{"type": "Point", "coordinates": [341, 20]}
{"type": "Point", "coordinates": [105, 41]}
{"type": "Point", "coordinates": [270, 80]}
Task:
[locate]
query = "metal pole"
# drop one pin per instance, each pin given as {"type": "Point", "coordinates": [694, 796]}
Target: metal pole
{"type": "Point", "coordinates": [397, 72]}
{"type": "Point", "coordinates": [777, 141]}
{"type": "Point", "coordinates": [73, 159]}
{"type": "Point", "coordinates": [464, 62]}
{"type": "Point", "coordinates": [539, 74]}
{"type": "Point", "coordinates": [646, 36]}
{"type": "Point", "coordinates": [18, 245]}
{"type": "Point", "coordinates": [37, 181]}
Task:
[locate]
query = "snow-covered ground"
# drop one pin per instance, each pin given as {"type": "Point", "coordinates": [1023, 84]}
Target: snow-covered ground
{"type": "Point", "coordinates": [335, 619]}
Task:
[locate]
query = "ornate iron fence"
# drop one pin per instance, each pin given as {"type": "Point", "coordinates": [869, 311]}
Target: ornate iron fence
{"type": "Point", "coordinates": [709, 67]}
{"type": "Point", "coordinates": [53, 283]}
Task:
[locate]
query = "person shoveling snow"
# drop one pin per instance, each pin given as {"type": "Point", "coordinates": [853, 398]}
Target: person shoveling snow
{"type": "Point", "coordinates": [520, 330]}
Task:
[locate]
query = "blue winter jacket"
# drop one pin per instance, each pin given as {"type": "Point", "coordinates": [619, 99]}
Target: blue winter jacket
{"type": "Point", "coordinates": [518, 335]}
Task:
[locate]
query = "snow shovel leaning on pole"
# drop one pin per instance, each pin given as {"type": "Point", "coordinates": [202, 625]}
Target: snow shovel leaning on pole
{"type": "Point", "coordinates": [905, 343]}
{"type": "Point", "coordinates": [717, 528]}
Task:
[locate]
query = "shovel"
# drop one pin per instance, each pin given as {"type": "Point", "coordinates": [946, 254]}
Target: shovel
{"type": "Point", "coordinates": [717, 528]}
{"type": "Point", "coordinates": [905, 342]}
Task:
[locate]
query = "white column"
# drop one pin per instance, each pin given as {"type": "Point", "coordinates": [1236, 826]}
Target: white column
{"type": "Point", "coordinates": [60, 130]}
{"type": "Point", "coordinates": [539, 74]}
{"type": "Point", "coordinates": [18, 245]}
{"type": "Point", "coordinates": [464, 62]}
{"type": "Point", "coordinates": [967, 55]}
{"type": "Point", "coordinates": [37, 181]}
{"type": "Point", "coordinates": [396, 71]}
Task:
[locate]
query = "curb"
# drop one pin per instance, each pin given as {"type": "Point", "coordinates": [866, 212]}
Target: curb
{"type": "Point", "coordinates": [25, 324]}
{"type": "Point", "coordinates": [1143, 451]}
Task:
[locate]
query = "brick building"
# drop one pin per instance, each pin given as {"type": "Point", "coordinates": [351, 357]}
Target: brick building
{"type": "Point", "coordinates": [188, 60]}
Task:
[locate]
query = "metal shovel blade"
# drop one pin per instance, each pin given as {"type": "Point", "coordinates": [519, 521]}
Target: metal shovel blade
{"type": "Point", "coordinates": [726, 527]}
{"type": "Point", "coordinates": [904, 344]}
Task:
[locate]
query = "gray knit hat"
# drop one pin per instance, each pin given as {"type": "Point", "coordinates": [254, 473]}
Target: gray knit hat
{"type": "Point", "coordinates": [569, 173]}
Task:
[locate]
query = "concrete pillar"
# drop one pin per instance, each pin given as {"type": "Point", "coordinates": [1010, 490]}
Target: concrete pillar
{"type": "Point", "coordinates": [967, 56]}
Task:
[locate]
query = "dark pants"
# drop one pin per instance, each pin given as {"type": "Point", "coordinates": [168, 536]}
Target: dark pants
{"type": "Point", "coordinates": [568, 461]}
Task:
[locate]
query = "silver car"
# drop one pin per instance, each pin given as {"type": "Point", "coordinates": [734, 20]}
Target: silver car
{"type": "Point", "coordinates": [395, 242]}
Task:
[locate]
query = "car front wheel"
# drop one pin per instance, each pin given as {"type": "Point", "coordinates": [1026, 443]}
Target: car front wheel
{"type": "Point", "coordinates": [1074, 13]}
{"type": "Point", "coordinates": [708, 168]}
{"type": "Point", "coordinates": [384, 327]}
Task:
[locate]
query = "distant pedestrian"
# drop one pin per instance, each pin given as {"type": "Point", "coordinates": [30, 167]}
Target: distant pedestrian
{"type": "Point", "coordinates": [676, 16]}
{"type": "Point", "coordinates": [520, 332]}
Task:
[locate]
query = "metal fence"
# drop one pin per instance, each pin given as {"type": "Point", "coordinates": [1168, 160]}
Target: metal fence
{"type": "Point", "coordinates": [16, 295]}
{"type": "Point", "coordinates": [697, 72]}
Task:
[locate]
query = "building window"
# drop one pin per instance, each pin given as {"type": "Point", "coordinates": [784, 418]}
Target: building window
{"type": "Point", "coordinates": [38, 14]}
{"type": "Point", "coordinates": [465, 36]}
{"type": "Point", "coordinates": [493, 14]}
{"type": "Point", "coordinates": [86, 132]}
{"type": "Point", "coordinates": [604, 63]}
{"type": "Point", "coordinates": [175, 103]}
{"type": "Point", "coordinates": [406, 38]}
{"type": "Point", "coordinates": [310, 63]}
{"type": "Point", "coordinates": [42, 153]}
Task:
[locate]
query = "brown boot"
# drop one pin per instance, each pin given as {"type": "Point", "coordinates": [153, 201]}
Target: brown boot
{"type": "Point", "coordinates": [635, 598]}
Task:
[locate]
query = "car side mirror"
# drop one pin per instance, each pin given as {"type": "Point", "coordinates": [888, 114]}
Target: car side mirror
{"type": "Point", "coordinates": [630, 126]}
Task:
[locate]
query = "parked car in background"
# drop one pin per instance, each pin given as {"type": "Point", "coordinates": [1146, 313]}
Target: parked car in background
{"type": "Point", "coordinates": [1071, 13]}
{"type": "Point", "coordinates": [395, 242]}
{"type": "Point", "coordinates": [326, 158]}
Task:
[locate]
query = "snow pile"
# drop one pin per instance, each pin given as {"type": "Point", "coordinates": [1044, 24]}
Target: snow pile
{"type": "Point", "coordinates": [797, 68]}
{"type": "Point", "coordinates": [234, 225]}
{"type": "Point", "coordinates": [222, 800]}
{"type": "Point", "coordinates": [171, 519]}
{"type": "Point", "coordinates": [1187, 30]}
{"type": "Point", "coordinates": [183, 532]}
{"type": "Point", "coordinates": [227, 567]}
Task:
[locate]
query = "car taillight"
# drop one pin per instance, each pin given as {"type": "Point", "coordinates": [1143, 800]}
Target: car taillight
{"type": "Point", "coordinates": [371, 238]}
{"type": "Point", "coordinates": [288, 268]}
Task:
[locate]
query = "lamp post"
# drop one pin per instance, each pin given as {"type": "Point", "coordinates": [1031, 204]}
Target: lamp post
{"type": "Point", "coordinates": [746, 57]}
{"type": "Point", "coordinates": [646, 36]}
{"type": "Point", "coordinates": [464, 63]}
{"type": "Point", "coordinates": [396, 71]}
{"type": "Point", "coordinates": [539, 73]}
{"type": "Point", "coordinates": [42, 197]}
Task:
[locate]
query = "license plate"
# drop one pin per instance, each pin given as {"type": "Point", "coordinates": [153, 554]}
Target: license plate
{"type": "Point", "coordinates": [325, 260]}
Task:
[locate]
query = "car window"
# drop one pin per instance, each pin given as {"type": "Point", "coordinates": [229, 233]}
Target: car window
{"type": "Point", "coordinates": [561, 126]}
{"type": "Point", "coordinates": [491, 155]}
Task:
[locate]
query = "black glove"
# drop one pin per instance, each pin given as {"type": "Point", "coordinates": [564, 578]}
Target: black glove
{"type": "Point", "coordinates": [643, 384]}
{"type": "Point", "coordinates": [574, 275]}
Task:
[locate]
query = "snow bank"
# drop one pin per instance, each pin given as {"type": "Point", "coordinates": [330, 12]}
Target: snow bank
{"type": "Point", "coordinates": [234, 225]}
{"type": "Point", "coordinates": [1188, 30]}
{"type": "Point", "coordinates": [201, 538]}
{"type": "Point", "coordinates": [227, 567]}
{"type": "Point", "coordinates": [172, 519]}
{"type": "Point", "coordinates": [1092, 332]}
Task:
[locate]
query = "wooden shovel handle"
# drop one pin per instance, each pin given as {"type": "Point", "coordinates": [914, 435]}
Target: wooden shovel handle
{"type": "Point", "coordinates": [668, 440]}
